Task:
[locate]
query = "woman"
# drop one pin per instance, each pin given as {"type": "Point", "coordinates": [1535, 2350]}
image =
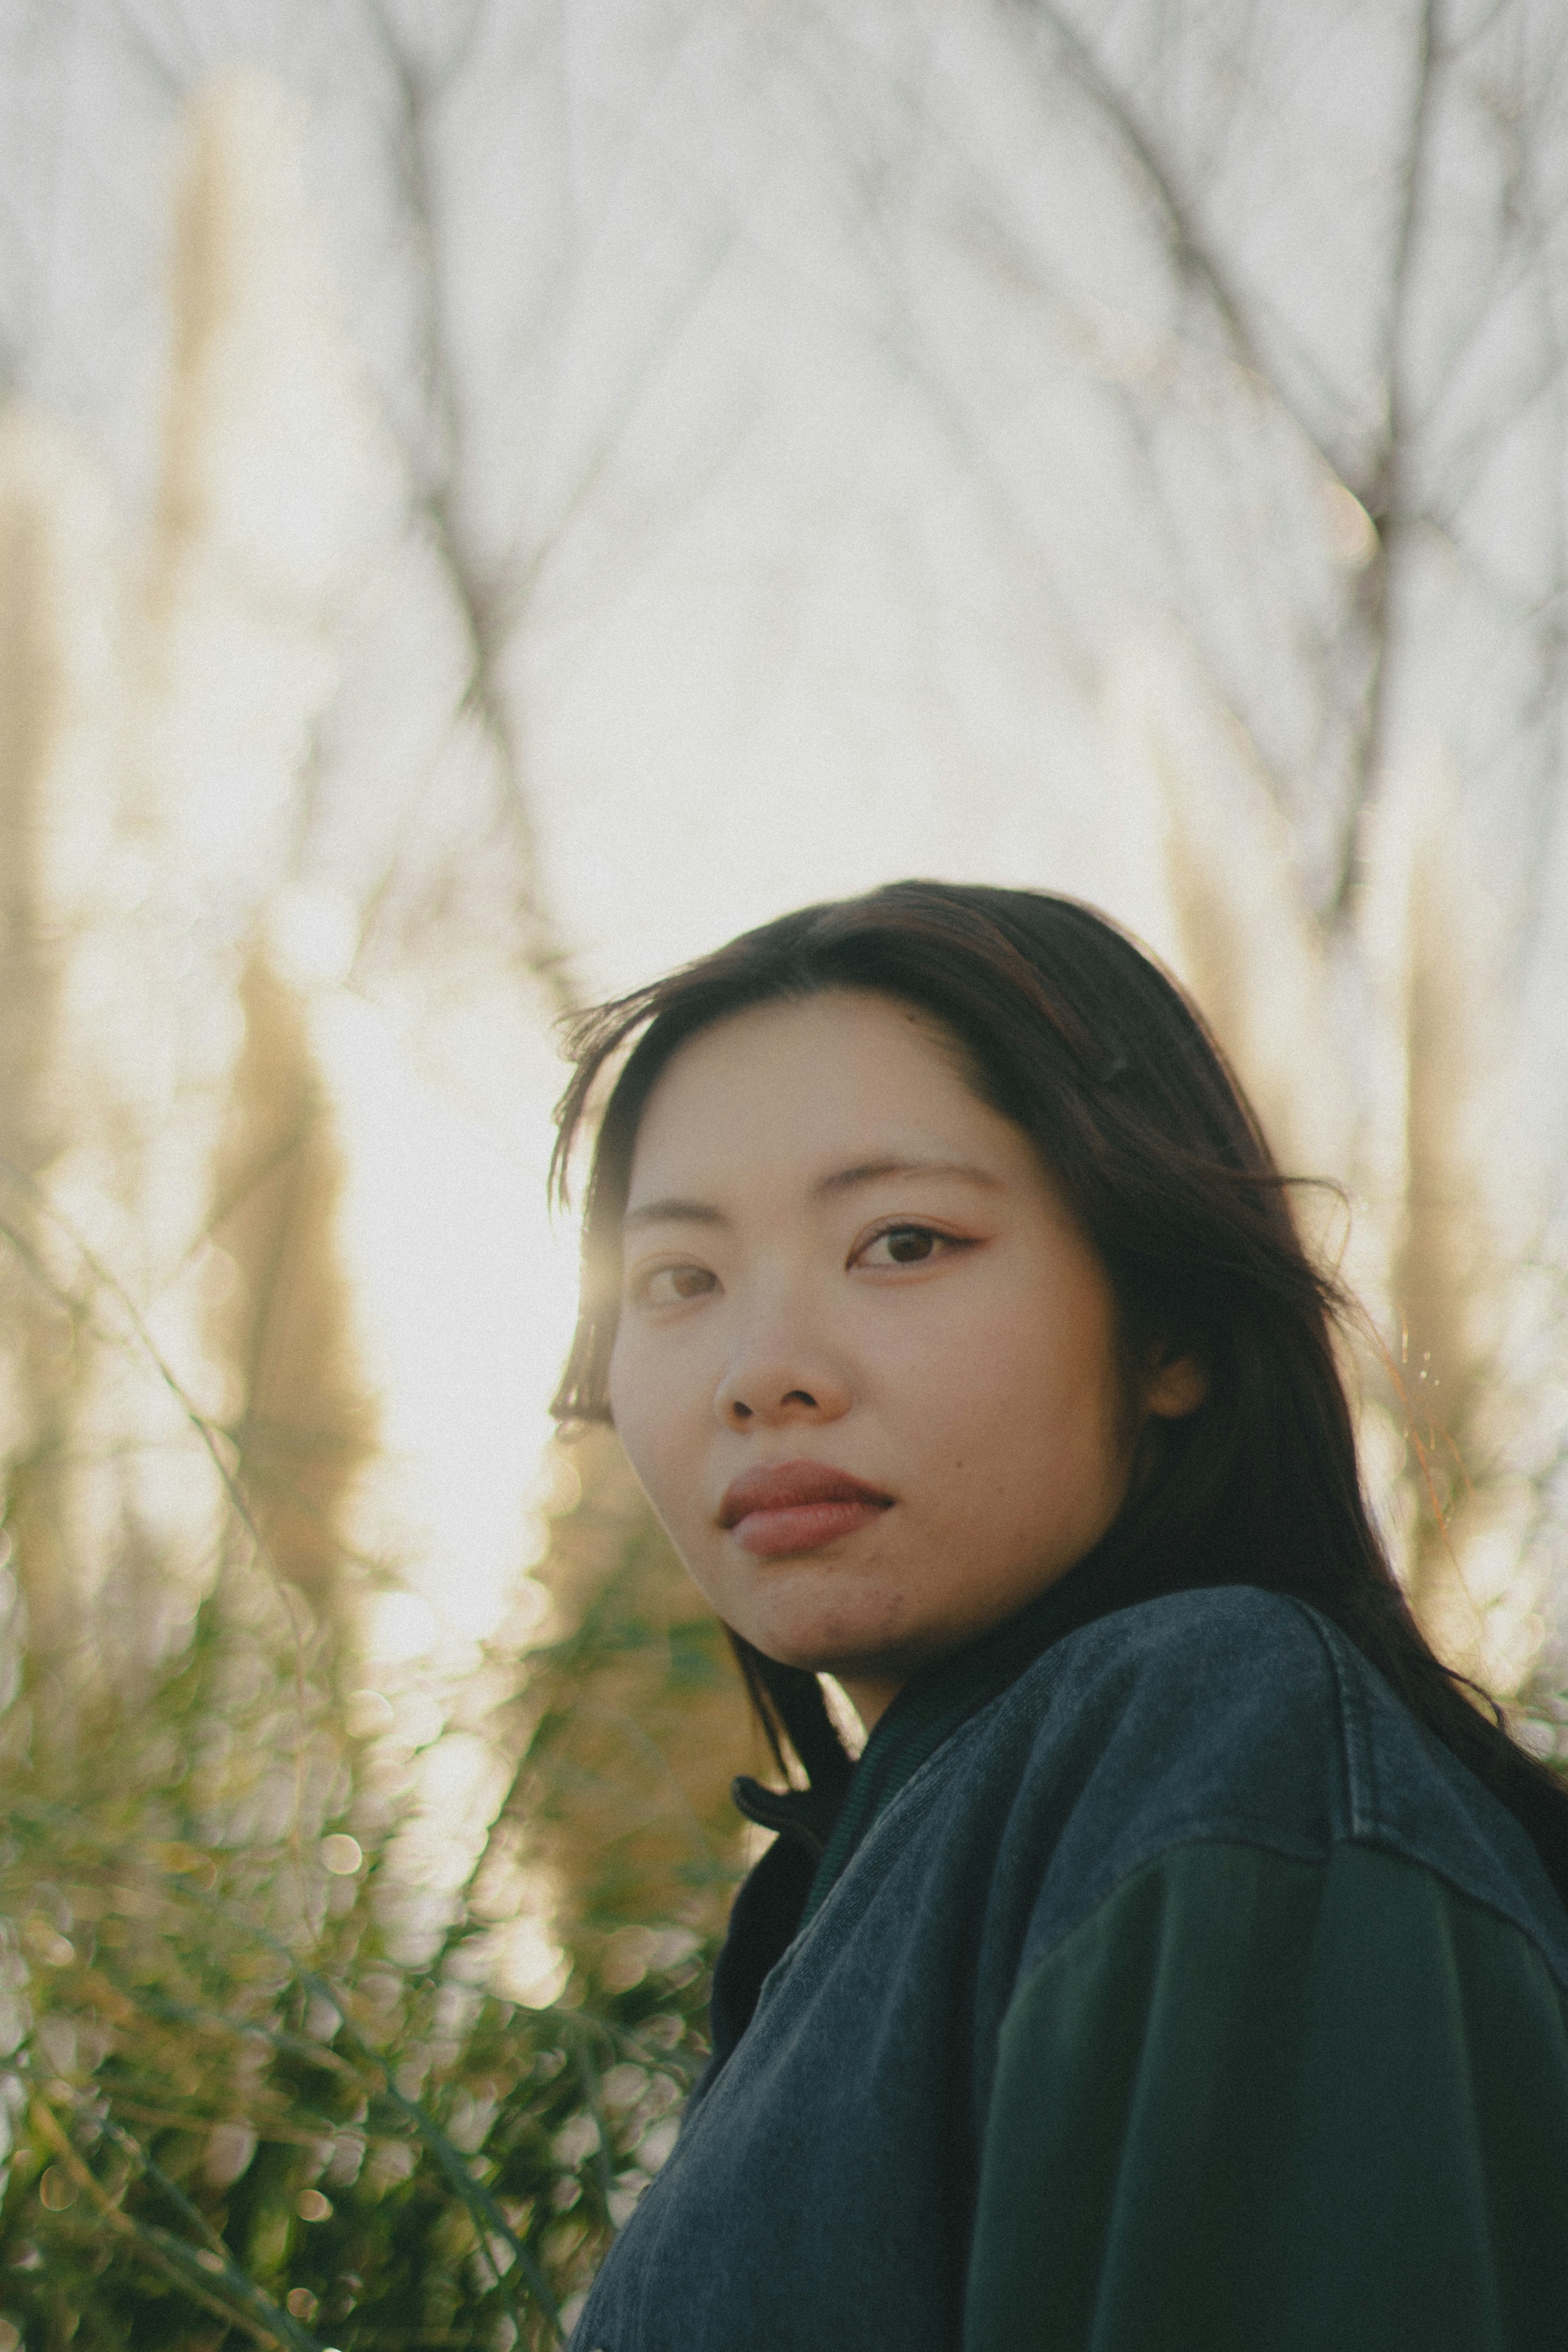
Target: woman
{"type": "Point", "coordinates": [1183, 1962]}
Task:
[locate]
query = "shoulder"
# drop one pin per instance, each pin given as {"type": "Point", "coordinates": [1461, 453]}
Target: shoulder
{"type": "Point", "coordinates": [1257, 2060]}
{"type": "Point", "coordinates": [1233, 1713]}
{"type": "Point", "coordinates": [1224, 1668]}
{"type": "Point", "coordinates": [1208, 1712]}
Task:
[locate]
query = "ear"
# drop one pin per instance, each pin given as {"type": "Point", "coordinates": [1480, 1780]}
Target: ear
{"type": "Point", "coordinates": [1177, 1386]}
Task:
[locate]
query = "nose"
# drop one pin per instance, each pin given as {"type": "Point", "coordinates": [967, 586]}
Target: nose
{"type": "Point", "coordinates": [776, 1377]}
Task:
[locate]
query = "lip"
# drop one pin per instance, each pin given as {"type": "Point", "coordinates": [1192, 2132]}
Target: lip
{"type": "Point", "coordinates": [794, 1507]}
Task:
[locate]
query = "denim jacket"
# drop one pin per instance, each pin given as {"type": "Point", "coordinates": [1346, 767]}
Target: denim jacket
{"type": "Point", "coordinates": [1189, 1996]}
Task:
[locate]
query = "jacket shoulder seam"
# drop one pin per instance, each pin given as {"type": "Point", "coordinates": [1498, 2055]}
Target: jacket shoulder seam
{"type": "Point", "coordinates": [1238, 1836]}
{"type": "Point", "coordinates": [1355, 1744]}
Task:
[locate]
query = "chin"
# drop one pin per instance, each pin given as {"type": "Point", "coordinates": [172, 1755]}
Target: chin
{"type": "Point", "coordinates": [832, 1641]}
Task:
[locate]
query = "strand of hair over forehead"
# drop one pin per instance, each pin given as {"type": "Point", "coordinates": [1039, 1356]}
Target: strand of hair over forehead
{"type": "Point", "coordinates": [591, 1038]}
{"type": "Point", "coordinates": [857, 937]}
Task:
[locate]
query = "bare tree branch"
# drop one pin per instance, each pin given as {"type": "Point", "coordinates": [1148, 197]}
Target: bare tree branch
{"type": "Point", "coordinates": [1386, 493]}
{"type": "Point", "coordinates": [543, 953]}
{"type": "Point", "coordinates": [492, 600]}
{"type": "Point", "coordinates": [1194, 257]}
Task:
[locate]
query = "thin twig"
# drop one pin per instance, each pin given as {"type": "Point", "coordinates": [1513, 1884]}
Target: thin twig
{"type": "Point", "coordinates": [206, 1431]}
{"type": "Point", "coordinates": [544, 954]}
{"type": "Point", "coordinates": [1193, 256]}
{"type": "Point", "coordinates": [1385, 493]}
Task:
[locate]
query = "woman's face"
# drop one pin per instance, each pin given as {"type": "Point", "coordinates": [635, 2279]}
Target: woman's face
{"type": "Point", "coordinates": [865, 1367]}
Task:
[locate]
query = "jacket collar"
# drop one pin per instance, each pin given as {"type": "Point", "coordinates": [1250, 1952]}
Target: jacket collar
{"type": "Point", "coordinates": [821, 1828]}
{"type": "Point", "coordinates": [933, 1703]}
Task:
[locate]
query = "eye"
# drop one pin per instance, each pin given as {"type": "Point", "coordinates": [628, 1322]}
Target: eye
{"type": "Point", "coordinates": [905, 1246]}
{"type": "Point", "coordinates": [672, 1285]}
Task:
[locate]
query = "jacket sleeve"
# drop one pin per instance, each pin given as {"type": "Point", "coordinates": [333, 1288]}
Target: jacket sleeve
{"type": "Point", "coordinates": [1254, 2101]}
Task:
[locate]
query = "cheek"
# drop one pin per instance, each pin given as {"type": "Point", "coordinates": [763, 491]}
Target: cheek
{"type": "Point", "coordinates": [629, 1409]}
{"type": "Point", "coordinates": [1018, 1391]}
{"type": "Point", "coordinates": [650, 1425]}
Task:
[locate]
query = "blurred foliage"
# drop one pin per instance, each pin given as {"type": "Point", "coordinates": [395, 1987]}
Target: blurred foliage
{"type": "Point", "coordinates": [249, 2097]}
{"type": "Point", "coordinates": [639, 1726]}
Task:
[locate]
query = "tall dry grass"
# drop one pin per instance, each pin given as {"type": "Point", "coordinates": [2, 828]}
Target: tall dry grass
{"type": "Point", "coordinates": [1385, 1055]}
{"type": "Point", "coordinates": [263, 2077]}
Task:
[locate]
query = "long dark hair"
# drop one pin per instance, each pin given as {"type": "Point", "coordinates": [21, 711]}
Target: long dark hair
{"type": "Point", "coordinates": [1073, 1032]}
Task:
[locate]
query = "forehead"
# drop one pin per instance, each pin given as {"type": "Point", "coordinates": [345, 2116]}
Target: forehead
{"type": "Point", "coordinates": [781, 1082]}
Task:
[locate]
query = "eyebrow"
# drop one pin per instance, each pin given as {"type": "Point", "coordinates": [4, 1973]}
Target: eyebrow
{"type": "Point", "coordinates": [845, 1179]}
{"type": "Point", "coordinates": [677, 1211]}
{"type": "Point", "coordinates": [674, 1212]}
